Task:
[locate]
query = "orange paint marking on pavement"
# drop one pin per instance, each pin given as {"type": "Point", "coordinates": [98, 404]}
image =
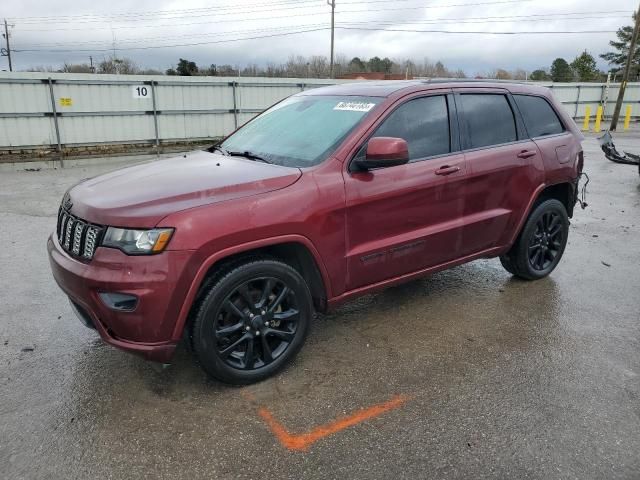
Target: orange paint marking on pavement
{"type": "Point", "coordinates": [248, 396]}
{"type": "Point", "coordinates": [301, 442]}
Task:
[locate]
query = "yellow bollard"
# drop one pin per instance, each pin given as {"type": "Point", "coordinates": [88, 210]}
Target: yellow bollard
{"type": "Point", "coordinates": [627, 117]}
{"type": "Point", "coordinates": [587, 115]}
{"type": "Point", "coordinates": [596, 126]}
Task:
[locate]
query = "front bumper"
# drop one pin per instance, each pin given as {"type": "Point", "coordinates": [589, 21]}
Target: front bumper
{"type": "Point", "coordinates": [156, 280]}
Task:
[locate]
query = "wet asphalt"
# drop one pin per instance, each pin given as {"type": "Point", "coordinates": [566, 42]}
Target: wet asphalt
{"type": "Point", "coordinates": [500, 378]}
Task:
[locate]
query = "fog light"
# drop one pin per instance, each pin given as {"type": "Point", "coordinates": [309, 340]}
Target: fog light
{"type": "Point", "coordinates": [119, 301]}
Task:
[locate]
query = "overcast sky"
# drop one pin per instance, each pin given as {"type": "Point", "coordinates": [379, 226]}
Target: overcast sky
{"type": "Point", "coordinates": [77, 26]}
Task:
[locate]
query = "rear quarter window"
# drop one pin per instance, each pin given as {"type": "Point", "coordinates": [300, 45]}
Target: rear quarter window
{"type": "Point", "coordinates": [539, 117]}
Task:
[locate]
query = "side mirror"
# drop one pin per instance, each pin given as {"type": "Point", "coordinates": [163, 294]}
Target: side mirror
{"type": "Point", "coordinates": [384, 152]}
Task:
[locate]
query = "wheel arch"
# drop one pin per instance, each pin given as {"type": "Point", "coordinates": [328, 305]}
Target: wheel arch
{"type": "Point", "coordinates": [295, 250]}
{"type": "Point", "coordinates": [563, 192]}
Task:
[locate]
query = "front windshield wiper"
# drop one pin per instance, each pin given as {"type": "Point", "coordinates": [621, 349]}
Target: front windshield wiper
{"type": "Point", "coordinates": [249, 155]}
{"type": "Point", "coordinates": [220, 149]}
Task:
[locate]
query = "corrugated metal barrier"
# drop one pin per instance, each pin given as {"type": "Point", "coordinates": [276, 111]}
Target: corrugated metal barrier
{"type": "Point", "coordinates": [49, 110]}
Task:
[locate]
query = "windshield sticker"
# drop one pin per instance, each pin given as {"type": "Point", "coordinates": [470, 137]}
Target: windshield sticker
{"type": "Point", "coordinates": [354, 106]}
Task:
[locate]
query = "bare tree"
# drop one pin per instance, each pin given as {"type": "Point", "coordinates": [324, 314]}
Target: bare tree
{"type": "Point", "coordinates": [519, 74]}
{"type": "Point", "coordinates": [121, 66]}
{"type": "Point", "coordinates": [318, 66]}
{"type": "Point", "coordinates": [502, 74]}
{"type": "Point", "coordinates": [297, 67]}
{"type": "Point", "coordinates": [340, 64]}
{"type": "Point", "coordinates": [41, 68]}
{"type": "Point", "coordinates": [150, 71]}
{"type": "Point", "coordinates": [76, 68]}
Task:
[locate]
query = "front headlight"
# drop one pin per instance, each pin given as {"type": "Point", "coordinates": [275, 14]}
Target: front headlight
{"type": "Point", "coordinates": [137, 242]}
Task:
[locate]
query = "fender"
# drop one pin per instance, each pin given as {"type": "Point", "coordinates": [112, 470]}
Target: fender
{"type": "Point", "coordinates": [532, 200]}
{"type": "Point", "coordinates": [244, 247]}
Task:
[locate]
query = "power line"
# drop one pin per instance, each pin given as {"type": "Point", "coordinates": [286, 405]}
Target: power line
{"type": "Point", "coordinates": [531, 32]}
{"type": "Point", "coordinates": [284, 5]}
{"type": "Point", "coordinates": [602, 14]}
{"type": "Point", "coordinates": [458, 22]}
{"type": "Point", "coordinates": [174, 37]}
{"type": "Point", "coordinates": [380, 23]}
{"type": "Point", "coordinates": [211, 42]}
{"type": "Point", "coordinates": [469, 20]}
{"type": "Point", "coordinates": [107, 16]}
{"type": "Point", "coordinates": [217, 14]}
{"type": "Point", "coordinates": [176, 45]}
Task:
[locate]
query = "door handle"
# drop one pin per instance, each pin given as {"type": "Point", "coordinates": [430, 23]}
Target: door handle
{"type": "Point", "coordinates": [526, 153]}
{"type": "Point", "coordinates": [447, 170]}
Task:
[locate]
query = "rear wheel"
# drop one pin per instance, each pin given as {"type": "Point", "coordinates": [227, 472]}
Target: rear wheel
{"type": "Point", "coordinates": [541, 244]}
{"type": "Point", "coordinates": [252, 321]}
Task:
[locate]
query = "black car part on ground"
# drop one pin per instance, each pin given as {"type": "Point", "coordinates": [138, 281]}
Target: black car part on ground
{"type": "Point", "coordinates": [609, 149]}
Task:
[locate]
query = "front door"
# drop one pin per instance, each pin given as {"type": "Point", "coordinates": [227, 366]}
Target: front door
{"type": "Point", "coordinates": [404, 218]}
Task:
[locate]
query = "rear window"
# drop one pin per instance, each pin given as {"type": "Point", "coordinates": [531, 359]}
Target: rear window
{"type": "Point", "coordinates": [488, 118]}
{"type": "Point", "coordinates": [539, 118]}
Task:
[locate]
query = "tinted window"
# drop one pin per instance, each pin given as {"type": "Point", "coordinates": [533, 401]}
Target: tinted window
{"type": "Point", "coordinates": [489, 119]}
{"type": "Point", "coordinates": [423, 123]}
{"type": "Point", "coordinates": [539, 118]}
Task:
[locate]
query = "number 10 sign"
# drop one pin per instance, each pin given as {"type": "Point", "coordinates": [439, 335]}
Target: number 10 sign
{"type": "Point", "coordinates": [141, 91]}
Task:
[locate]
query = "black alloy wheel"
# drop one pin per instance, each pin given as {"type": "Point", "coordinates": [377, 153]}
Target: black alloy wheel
{"type": "Point", "coordinates": [252, 319]}
{"type": "Point", "coordinates": [256, 323]}
{"type": "Point", "coordinates": [541, 243]}
{"type": "Point", "coordinates": [547, 241]}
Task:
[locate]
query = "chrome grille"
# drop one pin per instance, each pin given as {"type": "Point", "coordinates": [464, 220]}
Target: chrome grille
{"type": "Point", "coordinates": [76, 236]}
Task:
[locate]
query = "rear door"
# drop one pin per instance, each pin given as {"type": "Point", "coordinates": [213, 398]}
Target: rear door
{"type": "Point", "coordinates": [504, 167]}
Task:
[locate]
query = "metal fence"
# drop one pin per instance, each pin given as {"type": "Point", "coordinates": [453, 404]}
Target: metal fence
{"type": "Point", "coordinates": [45, 111]}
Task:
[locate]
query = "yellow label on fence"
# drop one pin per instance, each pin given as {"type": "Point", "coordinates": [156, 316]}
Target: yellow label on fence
{"type": "Point", "coordinates": [66, 102]}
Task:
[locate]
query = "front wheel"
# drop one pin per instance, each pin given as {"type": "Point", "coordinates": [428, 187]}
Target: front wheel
{"type": "Point", "coordinates": [252, 321]}
{"type": "Point", "coordinates": [541, 244]}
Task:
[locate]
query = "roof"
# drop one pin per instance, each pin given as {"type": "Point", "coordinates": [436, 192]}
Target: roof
{"type": "Point", "coordinates": [386, 88]}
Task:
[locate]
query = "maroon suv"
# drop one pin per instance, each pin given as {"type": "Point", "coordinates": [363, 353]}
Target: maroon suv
{"type": "Point", "coordinates": [330, 194]}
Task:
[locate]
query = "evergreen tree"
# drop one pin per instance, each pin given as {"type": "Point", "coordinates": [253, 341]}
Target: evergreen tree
{"type": "Point", "coordinates": [618, 58]}
{"type": "Point", "coordinates": [584, 67]}
{"type": "Point", "coordinates": [561, 71]}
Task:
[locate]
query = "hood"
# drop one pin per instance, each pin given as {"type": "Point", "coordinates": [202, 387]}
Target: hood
{"type": "Point", "coordinates": [142, 195]}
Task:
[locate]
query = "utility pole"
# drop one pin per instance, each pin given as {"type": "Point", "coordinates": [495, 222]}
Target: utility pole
{"type": "Point", "coordinates": [6, 52]}
{"type": "Point", "coordinates": [627, 70]}
{"type": "Point", "coordinates": [332, 4]}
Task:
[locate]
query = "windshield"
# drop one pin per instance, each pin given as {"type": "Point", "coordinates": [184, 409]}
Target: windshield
{"type": "Point", "coordinates": [301, 131]}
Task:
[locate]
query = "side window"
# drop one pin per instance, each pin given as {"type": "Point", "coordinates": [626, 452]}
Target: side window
{"type": "Point", "coordinates": [423, 123]}
{"type": "Point", "coordinates": [489, 119]}
{"type": "Point", "coordinates": [539, 118]}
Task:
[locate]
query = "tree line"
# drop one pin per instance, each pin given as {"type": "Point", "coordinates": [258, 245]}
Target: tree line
{"type": "Point", "coordinates": [318, 66]}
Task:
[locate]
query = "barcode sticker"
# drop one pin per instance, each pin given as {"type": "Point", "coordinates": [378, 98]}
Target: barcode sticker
{"type": "Point", "coordinates": [354, 106]}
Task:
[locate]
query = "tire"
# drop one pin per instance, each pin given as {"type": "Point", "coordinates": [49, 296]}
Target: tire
{"type": "Point", "coordinates": [541, 243]}
{"type": "Point", "coordinates": [506, 263]}
{"type": "Point", "coordinates": [252, 321]}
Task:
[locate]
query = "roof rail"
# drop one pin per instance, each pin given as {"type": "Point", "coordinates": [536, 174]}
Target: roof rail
{"type": "Point", "coordinates": [470, 80]}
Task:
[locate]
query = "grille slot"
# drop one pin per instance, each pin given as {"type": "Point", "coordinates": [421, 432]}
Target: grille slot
{"type": "Point", "coordinates": [77, 237]}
